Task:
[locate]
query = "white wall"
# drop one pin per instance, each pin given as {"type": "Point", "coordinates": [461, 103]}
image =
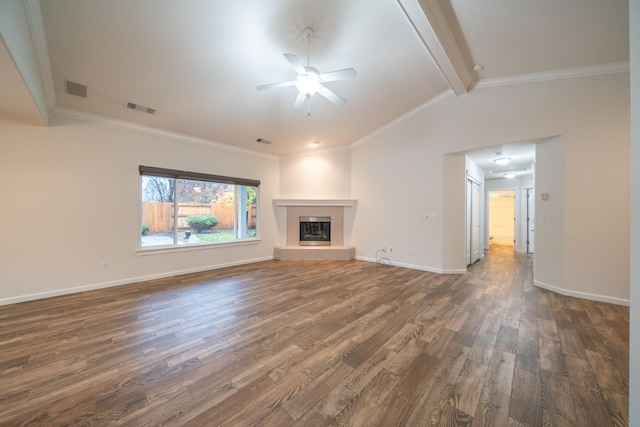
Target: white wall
{"type": "Point", "coordinates": [317, 175]}
{"type": "Point", "coordinates": [398, 175]}
{"type": "Point", "coordinates": [634, 334]}
{"type": "Point", "coordinates": [320, 174]}
{"type": "Point", "coordinates": [396, 183]}
{"type": "Point", "coordinates": [70, 198]}
{"type": "Point", "coordinates": [549, 262]}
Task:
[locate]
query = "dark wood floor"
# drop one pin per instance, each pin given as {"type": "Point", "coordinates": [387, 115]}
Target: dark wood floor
{"type": "Point", "coordinates": [352, 343]}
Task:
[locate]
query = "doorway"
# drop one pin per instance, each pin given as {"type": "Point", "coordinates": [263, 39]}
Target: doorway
{"type": "Point", "coordinates": [530, 220]}
{"type": "Point", "coordinates": [474, 251]}
{"type": "Point", "coordinates": [502, 217]}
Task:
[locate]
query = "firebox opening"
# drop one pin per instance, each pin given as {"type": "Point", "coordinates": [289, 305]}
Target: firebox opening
{"type": "Point", "coordinates": [315, 231]}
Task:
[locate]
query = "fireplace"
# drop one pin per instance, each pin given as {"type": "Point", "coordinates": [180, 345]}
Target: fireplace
{"type": "Point", "coordinates": [315, 231]}
{"type": "Point", "coordinates": [323, 239]}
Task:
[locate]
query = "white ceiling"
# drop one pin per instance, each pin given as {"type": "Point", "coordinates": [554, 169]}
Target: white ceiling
{"type": "Point", "coordinates": [521, 155]}
{"type": "Point", "coordinates": [198, 62]}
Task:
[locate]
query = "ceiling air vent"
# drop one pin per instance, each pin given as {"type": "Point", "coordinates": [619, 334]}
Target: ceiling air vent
{"type": "Point", "coordinates": [263, 141]}
{"type": "Point", "coordinates": [75, 89]}
{"type": "Point", "coordinates": [142, 108]}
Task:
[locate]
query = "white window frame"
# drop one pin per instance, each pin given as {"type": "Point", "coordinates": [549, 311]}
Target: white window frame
{"type": "Point", "coordinates": [147, 171]}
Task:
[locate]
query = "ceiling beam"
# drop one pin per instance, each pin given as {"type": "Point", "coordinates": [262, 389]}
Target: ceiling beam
{"type": "Point", "coordinates": [430, 23]}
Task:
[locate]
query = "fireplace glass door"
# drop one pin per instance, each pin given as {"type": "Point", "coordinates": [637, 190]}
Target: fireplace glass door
{"type": "Point", "coordinates": [315, 231]}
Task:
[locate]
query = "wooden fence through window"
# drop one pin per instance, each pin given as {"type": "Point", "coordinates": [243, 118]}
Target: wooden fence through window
{"type": "Point", "coordinates": [159, 215]}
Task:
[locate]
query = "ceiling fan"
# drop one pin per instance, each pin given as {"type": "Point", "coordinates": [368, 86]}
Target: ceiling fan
{"type": "Point", "coordinates": [309, 80]}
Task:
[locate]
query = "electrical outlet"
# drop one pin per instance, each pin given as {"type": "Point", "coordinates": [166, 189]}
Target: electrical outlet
{"type": "Point", "coordinates": [104, 265]}
{"type": "Point", "coordinates": [390, 249]}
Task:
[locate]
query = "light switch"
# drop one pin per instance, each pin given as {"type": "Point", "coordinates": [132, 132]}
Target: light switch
{"type": "Point", "coordinates": [430, 216]}
{"type": "Point", "coordinates": [541, 218]}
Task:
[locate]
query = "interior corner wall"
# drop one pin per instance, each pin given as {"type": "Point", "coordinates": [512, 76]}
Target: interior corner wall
{"type": "Point", "coordinates": [454, 259]}
{"type": "Point", "coordinates": [548, 264]}
{"type": "Point", "coordinates": [634, 332]}
{"type": "Point", "coordinates": [396, 182]}
{"type": "Point", "coordinates": [318, 175]}
{"type": "Point", "coordinates": [71, 195]}
{"type": "Point", "coordinates": [399, 174]}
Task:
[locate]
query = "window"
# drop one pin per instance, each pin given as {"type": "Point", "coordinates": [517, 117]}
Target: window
{"type": "Point", "coordinates": [186, 208]}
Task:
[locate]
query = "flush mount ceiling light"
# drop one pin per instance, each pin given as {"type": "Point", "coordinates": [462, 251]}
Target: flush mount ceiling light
{"type": "Point", "coordinates": [502, 160]}
{"type": "Point", "coordinates": [314, 143]}
{"type": "Point", "coordinates": [509, 175]}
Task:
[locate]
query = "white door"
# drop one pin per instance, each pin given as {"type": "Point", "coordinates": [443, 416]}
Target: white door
{"type": "Point", "coordinates": [531, 220]}
{"type": "Point", "coordinates": [468, 222]}
{"type": "Point", "coordinates": [475, 222]}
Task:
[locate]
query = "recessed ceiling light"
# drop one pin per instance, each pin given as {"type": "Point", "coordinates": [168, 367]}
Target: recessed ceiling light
{"type": "Point", "coordinates": [502, 160]}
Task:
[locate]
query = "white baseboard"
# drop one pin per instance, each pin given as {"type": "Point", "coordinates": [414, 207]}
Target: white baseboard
{"type": "Point", "coordinates": [120, 282]}
{"type": "Point", "coordinates": [583, 295]}
{"type": "Point", "coordinates": [416, 267]}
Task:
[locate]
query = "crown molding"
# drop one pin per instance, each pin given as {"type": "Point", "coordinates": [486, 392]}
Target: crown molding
{"type": "Point", "coordinates": [430, 103]}
{"type": "Point", "coordinates": [565, 73]}
{"type": "Point", "coordinates": [134, 127]}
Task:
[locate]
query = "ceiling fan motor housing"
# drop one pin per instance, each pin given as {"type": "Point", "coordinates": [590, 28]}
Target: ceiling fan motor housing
{"type": "Point", "coordinates": [307, 33]}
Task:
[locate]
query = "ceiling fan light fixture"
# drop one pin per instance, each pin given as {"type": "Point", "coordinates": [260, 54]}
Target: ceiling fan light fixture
{"type": "Point", "coordinates": [309, 81]}
{"type": "Point", "coordinates": [502, 160]}
{"type": "Point", "coordinates": [308, 84]}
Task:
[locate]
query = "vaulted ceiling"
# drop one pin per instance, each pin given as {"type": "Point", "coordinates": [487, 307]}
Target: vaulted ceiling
{"type": "Point", "coordinates": [197, 63]}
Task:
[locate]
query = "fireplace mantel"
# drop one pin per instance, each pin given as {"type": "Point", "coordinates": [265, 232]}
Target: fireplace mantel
{"type": "Point", "coordinates": [315, 202]}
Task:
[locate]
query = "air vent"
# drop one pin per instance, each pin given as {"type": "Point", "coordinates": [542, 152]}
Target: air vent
{"type": "Point", "coordinates": [142, 108]}
{"type": "Point", "coordinates": [76, 89]}
{"type": "Point", "coordinates": [263, 141]}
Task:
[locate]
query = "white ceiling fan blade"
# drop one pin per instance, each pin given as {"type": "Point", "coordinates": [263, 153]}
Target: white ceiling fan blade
{"type": "Point", "coordinates": [338, 75]}
{"type": "Point", "coordinates": [299, 101]}
{"type": "Point", "coordinates": [295, 63]}
{"type": "Point", "coordinates": [272, 85]}
{"type": "Point", "coordinates": [331, 96]}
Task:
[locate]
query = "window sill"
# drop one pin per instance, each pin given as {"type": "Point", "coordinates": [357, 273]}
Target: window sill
{"type": "Point", "coordinates": [154, 250]}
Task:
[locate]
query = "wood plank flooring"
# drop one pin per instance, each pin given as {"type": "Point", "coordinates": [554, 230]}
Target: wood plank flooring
{"type": "Point", "coordinates": [318, 343]}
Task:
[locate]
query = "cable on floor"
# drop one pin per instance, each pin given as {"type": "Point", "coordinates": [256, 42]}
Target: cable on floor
{"type": "Point", "coordinates": [382, 260]}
